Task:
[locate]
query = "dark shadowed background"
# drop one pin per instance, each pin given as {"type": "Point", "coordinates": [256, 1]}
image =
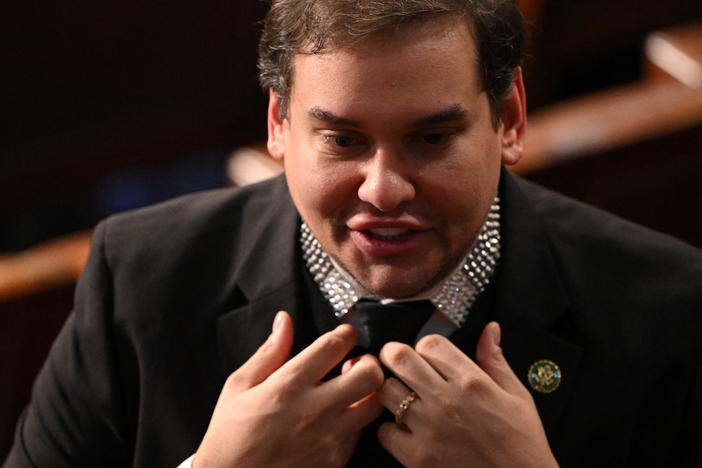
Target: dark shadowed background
{"type": "Point", "coordinates": [107, 106]}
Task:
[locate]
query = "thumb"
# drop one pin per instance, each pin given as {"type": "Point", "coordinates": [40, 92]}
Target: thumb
{"type": "Point", "coordinates": [268, 357]}
{"type": "Point", "coordinates": [491, 360]}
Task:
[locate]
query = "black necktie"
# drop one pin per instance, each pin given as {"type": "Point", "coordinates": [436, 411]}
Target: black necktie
{"type": "Point", "coordinates": [397, 321]}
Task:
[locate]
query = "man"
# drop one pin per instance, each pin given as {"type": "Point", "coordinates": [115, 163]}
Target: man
{"type": "Point", "coordinates": [555, 334]}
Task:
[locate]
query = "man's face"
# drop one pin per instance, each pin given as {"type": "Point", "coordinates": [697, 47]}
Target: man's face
{"type": "Point", "coordinates": [391, 155]}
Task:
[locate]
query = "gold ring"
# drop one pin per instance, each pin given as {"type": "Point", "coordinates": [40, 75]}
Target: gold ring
{"type": "Point", "coordinates": [404, 406]}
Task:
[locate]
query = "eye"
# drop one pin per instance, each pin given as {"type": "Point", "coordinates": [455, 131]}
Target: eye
{"type": "Point", "coordinates": [435, 138]}
{"type": "Point", "coordinates": [341, 141]}
{"type": "Point", "coordinates": [337, 143]}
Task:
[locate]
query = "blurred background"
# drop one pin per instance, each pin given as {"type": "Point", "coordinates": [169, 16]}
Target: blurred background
{"type": "Point", "coordinates": [108, 106]}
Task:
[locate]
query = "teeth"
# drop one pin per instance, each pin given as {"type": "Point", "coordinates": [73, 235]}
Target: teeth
{"type": "Point", "coordinates": [387, 233]}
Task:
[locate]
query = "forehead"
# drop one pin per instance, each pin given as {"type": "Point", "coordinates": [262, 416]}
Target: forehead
{"type": "Point", "coordinates": [417, 64]}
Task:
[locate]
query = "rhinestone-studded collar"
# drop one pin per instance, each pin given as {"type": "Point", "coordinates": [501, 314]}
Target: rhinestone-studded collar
{"type": "Point", "coordinates": [454, 297]}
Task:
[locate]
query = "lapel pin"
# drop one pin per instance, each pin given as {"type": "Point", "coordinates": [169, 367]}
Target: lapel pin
{"type": "Point", "coordinates": [544, 376]}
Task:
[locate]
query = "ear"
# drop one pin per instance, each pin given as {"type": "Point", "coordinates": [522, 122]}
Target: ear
{"type": "Point", "coordinates": [514, 121]}
{"type": "Point", "coordinates": [276, 134]}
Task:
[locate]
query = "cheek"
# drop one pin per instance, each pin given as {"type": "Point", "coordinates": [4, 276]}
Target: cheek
{"type": "Point", "coordinates": [319, 190]}
{"type": "Point", "coordinates": [465, 177]}
{"type": "Point", "coordinates": [463, 188]}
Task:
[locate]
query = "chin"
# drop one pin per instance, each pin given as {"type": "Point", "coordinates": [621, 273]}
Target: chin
{"type": "Point", "coordinates": [396, 285]}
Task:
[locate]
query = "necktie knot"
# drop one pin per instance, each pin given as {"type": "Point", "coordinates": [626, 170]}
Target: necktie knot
{"type": "Point", "coordinates": [396, 321]}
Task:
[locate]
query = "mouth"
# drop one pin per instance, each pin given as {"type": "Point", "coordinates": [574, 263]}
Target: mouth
{"type": "Point", "coordinates": [385, 237]}
{"type": "Point", "coordinates": [387, 234]}
{"type": "Point", "coordinates": [391, 242]}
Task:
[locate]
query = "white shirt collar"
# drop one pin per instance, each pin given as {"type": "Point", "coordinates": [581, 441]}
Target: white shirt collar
{"type": "Point", "coordinates": [453, 296]}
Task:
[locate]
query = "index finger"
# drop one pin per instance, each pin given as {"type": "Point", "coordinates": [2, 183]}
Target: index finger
{"type": "Point", "coordinates": [315, 361]}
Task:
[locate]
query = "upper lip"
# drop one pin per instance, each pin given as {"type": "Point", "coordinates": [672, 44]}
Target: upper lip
{"type": "Point", "coordinates": [365, 222]}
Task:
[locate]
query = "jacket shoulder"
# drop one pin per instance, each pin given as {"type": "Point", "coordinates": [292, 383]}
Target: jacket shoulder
{"type": "Point", "coordinates": [196, 210]}
{"type": "Point", "coordinates": [617, 268]}
{"type": "Point", "coordinates": [598, 235]}
{"type": "Point", "coordinates": [176, 226]}
{"type": "Point", "coordinates": [627, 284]}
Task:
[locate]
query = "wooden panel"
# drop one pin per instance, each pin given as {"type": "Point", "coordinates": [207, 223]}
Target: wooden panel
{"type": "Point", "coordinates": [579, 47]}
{"type": "Point", "coordinates": [51, 265]}
{"type": "Point", "coordinates": [675, 55]}
{"type": "Point", "coordinates": [607, 120]}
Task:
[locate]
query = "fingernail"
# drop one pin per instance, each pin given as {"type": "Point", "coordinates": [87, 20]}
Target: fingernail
{"type": "Point", "coordinates": [349, 364]}
{"type": "Point", "coordinates": [496, 334]}
{"type": "Point", "coordinates": [277, 321]}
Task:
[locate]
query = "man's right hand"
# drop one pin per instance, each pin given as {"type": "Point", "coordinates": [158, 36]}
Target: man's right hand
{"type": "Point", "coordinates": [276, 413]}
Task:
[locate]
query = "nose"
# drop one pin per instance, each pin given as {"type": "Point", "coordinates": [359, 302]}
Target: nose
{"type": "Point", "coordinates": [387, 182]}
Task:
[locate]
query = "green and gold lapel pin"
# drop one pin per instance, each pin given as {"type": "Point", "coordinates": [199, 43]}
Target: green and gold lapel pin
{"type": "Point", "coordinates": [544, 376]}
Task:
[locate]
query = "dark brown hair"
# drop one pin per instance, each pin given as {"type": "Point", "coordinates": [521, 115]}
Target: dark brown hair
{"type": "Point", "coordinates": [315, 26]}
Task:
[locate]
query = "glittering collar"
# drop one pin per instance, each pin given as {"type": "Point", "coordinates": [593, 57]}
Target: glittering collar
{"type": "Point", "coordinates": [454, 297]}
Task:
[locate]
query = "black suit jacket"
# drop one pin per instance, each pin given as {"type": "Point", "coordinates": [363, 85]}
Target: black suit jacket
{"type": "Point", "coordinates": [177, 296]}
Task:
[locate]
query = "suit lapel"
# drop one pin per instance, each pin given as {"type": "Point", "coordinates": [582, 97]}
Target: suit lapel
{"type": "Point", "coordinates": [530, 300]}
{"type": "Point", "coordinates": [242, 330]}
{"type": "Point", "coordinates": [264, 274]}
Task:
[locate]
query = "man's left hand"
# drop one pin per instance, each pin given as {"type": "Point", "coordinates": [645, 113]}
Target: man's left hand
{"type": "Point", "coordinates": [465, 413]}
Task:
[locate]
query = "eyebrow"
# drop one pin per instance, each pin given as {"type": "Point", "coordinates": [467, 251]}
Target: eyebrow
{"type": "Point", "coordinates": [326, 116]}
{"type": "Point", "coordinates": [453, 113]}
